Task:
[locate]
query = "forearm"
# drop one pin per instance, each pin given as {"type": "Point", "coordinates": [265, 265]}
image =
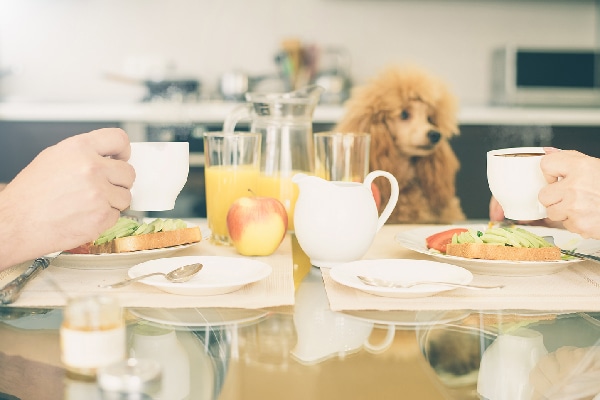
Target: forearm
{"type": "Point", "coordinates": [15, 234]}
{"type": "Point", "coordinates": [10, 248]}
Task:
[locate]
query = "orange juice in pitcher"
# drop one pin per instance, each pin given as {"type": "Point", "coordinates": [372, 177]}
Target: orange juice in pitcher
{"type": "Point", "coordinates": [284, 121]}
{"type": "Point", "coordinates": [282, 188]}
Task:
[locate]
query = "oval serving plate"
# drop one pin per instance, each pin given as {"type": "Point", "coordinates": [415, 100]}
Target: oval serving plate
{"type": "Point", "coordinates": [114, 260]}
{"type": "Point", "coordinates": [219, 275]}
{"type": "Point", "coordinates": [414, 239]}
{"type": "Point", "coordinates": [121, 260]}
{"type": "Point", "coordinates": [400, 270]}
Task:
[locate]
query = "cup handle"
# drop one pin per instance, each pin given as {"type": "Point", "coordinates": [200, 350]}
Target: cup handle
{"type": "Point", "coordinates": [239, 113]}
{"type": "Point", "coordinates": [385, 344]}
{"type": "Point", "coordinates": [387, 211]}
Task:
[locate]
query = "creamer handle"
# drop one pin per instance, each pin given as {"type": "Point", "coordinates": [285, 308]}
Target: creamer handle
{"type": "Point", "coordinates": [237, 114]}
{"type": "Point", "coordinates": [387, 211]}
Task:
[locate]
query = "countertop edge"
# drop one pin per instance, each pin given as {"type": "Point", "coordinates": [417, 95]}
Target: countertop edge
{"type": "Point", "coordinates": [215, 112]}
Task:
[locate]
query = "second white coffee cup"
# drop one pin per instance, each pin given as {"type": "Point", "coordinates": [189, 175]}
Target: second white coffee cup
{"type": "Point", "coordinates": [161, 171]}
{"type": "Point", "coordinates": [515, 180]}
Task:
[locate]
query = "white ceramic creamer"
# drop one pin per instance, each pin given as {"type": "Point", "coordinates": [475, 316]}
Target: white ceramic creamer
{"type": "Point", "coordinates": [335, 221]}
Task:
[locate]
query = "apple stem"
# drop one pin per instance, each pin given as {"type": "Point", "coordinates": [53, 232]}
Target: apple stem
{"type": "Point", "coordinates": [252, 192]}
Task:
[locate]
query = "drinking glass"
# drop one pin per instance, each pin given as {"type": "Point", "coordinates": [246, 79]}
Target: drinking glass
{"type": "Point", "coordinates": [232, 167]}
{"type": "Point", "coordinates": [342, 156]}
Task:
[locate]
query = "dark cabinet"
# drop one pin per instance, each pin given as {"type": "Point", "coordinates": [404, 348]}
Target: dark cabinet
{"type": "Point", "coordinates": [20, 142]}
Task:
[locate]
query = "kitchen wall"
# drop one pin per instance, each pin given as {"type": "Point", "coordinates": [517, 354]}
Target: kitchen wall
{"type": "Point", "coordinates": [58, 50]}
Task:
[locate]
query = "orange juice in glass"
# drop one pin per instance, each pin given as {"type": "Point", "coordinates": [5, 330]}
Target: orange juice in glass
{"type": "Point", "coordinates": [282, 188]}
{"type": "Point", "coordinates": [231, 171]}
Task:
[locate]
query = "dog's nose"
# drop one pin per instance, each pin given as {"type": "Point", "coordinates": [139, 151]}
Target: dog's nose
{"type": "Point", "coordinates": [434, 136]}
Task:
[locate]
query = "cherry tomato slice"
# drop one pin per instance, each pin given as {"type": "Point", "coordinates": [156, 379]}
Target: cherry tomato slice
{"type": "Point", "coordinates": [438, 241]}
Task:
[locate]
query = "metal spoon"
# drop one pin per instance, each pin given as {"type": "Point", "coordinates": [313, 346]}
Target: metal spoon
{"type": "Point", "coordinates": [389, 284]}
{"type": "Point", "coordinates": [550, 239]}
{"type": "Point", "coordinates": [178, 275]}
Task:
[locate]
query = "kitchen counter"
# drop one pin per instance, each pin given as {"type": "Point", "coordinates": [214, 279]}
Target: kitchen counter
{"type": "Point", "coordinates": [215, 112]}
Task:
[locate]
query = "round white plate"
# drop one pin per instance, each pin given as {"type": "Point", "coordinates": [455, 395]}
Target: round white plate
{"type": "Point", "coordinates": [414, 239]}
{"type": "Point", "coordinates": [113, 260]}
{"type": "Point", "coordinates": [402, 271]}
{"type": "Point", "coordinates": [200, 317]}
{"type": "Point", "coordinates": [218, 276]}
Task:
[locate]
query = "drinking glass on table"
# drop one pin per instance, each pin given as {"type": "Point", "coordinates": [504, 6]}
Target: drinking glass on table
{"type": "Point", "coordinates": [342, 156]}
{"type": "Point", "coordinates": [231, 170]}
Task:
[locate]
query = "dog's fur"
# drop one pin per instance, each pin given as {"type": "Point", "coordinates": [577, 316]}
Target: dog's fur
{"type": "Point", "coordinates": [410, 116]}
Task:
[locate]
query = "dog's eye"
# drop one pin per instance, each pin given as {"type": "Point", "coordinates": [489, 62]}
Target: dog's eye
{"type": "Point", "coordinates": [431, 120]}
{"type": "Point", "coordinates": [404, 115]}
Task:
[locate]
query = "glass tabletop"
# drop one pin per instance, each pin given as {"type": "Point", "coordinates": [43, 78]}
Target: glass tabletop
{"type": "Point", "coordinates": [307, 351]}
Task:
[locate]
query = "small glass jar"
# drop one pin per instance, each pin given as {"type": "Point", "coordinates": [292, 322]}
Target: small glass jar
{"type": "Point", "coordinates": [92, 335]}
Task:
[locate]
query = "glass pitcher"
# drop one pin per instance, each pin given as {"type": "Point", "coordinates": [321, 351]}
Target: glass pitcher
{"type": "Point", "coordinates": [285, 122]}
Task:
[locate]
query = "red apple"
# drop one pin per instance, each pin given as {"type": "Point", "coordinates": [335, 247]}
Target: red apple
{"type": "Point", "coordinates": [257, 225]}
{"type": "Point", "coordinates": [376, 194]}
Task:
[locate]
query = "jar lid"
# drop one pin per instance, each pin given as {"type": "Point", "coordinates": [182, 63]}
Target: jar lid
{"type": "Point", "coordinates": [131, 376]}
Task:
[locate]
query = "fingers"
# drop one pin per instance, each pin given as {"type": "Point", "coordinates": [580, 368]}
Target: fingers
{"type": "Point", "coordinates": [496, 211]}
{"type": "Point", "coordinates": [556, 164]}
{"type": "Point", "coordinates": [553, 194]}
{"type": "Point", "coordinates": [556, 213]}
{"type": "Point", "coordinates": [550, 150]}
{"type": "Point", "coordinates": [112, 142]}
{"type": "Point", "coordinates": [119, 197]}
{"type": "Point", "coordinates": [119, 173]}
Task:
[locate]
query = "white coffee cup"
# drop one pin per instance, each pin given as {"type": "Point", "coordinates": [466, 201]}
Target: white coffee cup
{"type": "Point", "coordinates": [161, 171]}
{"type": "Point", "coordinates": [515, 180]}
{"type": "Point", "coordinates": [506, 364]}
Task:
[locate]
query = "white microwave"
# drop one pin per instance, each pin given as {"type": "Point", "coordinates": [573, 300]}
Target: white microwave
{"type": "Point", "coordinates": [546, 77]}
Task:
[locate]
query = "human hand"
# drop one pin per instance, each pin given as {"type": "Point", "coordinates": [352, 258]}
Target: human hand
{"type": "Point", "coordinates": [496, 211]}
{"type": "Point", "coordinates": [573, 191]}
{"type": "Point", "coordinates": [67, 196]}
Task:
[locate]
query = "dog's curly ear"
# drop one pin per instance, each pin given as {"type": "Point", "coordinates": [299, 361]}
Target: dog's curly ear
{"type": "Point", "coordinates": [362, 121]}
{"type": "Point", "coordinates": [354, 122]}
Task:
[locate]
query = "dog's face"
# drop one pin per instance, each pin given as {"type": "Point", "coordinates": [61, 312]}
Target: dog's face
{"type": "Point", "coordinates": [413, 128]}
{"type": "Point", "coordinates": [405, 108]}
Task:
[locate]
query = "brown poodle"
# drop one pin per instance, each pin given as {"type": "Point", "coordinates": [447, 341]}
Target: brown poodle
{"type": "Point", "coordinates": [410, 116]}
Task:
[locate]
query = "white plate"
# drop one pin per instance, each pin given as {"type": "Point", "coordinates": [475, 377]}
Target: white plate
{"type": "Point", "coordinates": [403, 271]}
{"type": "Point", "coordinates": [200, 317]}
{"type": "Point", "coordinates": [120, 260]}
{"type": "Point", "coordinates": [414, 239]}
{"type": "Point", "coordinates": [113, 260]}
{"type": "Point", "coordinates": [219, 275]}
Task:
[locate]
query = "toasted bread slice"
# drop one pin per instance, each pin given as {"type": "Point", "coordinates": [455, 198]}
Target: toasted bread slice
{"type": "Point", "coordinates": [147, 241]}
{"type": "Point", "coordinates": [487, 251]}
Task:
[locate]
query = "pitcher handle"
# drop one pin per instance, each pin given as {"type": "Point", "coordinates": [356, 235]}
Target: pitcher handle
{"type": "Point", "coordinates": [237, 114]}
{"type": "Point", "coordinates": [385, 344]}
{"type": "Point", "coordinates": [387, 211]}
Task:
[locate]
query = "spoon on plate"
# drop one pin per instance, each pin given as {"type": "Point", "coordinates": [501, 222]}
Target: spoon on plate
{"type": "Point", "coordinates": [550, 239]}
{"type": "Point", "coordinates": [368, 280]}
{"type": "Point", "coordinates": [178, 275]}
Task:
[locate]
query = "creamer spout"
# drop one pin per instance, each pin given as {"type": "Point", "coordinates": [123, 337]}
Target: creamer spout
{"type": "Point", "coordinates": [298, 178]}
{"type": "Point", "coordinates": [308, 181]}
